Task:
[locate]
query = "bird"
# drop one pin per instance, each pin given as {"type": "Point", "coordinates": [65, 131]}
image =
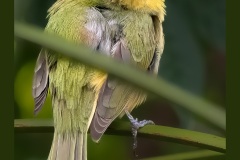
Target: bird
{"type": "Point", "coordinates": [86, 98]}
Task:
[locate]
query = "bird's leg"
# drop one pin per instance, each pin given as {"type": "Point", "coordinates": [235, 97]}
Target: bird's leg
{"type": "Point", "coordinates": [135, 126]}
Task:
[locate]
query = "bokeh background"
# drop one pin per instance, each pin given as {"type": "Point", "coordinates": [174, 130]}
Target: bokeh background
{"type": "Point", "coordinates": [193, 59]}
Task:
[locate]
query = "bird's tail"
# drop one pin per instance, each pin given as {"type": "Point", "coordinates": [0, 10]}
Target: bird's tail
{"type": "Point", "coordinates": [69, 147]}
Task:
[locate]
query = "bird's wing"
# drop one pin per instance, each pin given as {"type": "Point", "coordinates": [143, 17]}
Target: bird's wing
{"type": "Point", "coordinates": [40, 81]}
{"type": "Point", "coordinates": [91, 29]}
{"type": "Point", "coordinates": [116, 96]}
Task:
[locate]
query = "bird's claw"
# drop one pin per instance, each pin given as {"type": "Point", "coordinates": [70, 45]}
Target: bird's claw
{"type": "Point", "coordinates": [135, 126]}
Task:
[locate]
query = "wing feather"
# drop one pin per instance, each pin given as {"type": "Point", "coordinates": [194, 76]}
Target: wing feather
{"type": "Point", "coordinates": [115, 96]}
{"type": "Point", "coordinates": [40, 81]}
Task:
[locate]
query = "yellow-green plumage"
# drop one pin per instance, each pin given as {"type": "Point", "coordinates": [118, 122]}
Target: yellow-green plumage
{"type": "Point", "coordinates": [84, 97]}
{"type": "Point", "coordinates": [74, 97]}
{"type": "Point", "coordinates": [74, 102]}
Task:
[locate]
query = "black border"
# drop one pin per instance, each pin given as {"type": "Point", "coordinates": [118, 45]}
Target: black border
{"type": "Point", "coordinates": [233, 79]}
{"type": "Point", "coordinates": [6, 79]}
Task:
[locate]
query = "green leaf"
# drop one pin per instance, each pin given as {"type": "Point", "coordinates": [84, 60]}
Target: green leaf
{"type": "Point", "coordinates": [212, 113]}
{"type": "Point", "coordinates": [156, 132]}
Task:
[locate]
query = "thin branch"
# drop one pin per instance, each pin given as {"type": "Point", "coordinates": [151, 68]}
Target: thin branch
{"type": "Point", "coordinates": [212, 113]}
{"type": "Point", "coordinates": [156, 132]}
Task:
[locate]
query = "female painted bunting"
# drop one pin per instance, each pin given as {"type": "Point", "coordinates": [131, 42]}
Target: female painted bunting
{"type": "Point", "coordinates": [85, 97]}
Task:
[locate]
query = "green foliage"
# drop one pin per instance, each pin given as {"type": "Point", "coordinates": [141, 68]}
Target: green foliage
{"type": "Point", "coordinates": [132, 75]}
{"type": "Point", "coordinates": [163, 133]}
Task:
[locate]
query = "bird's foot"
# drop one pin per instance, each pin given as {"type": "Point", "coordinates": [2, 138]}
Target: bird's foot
{"type": "Point", "coordinates": [135, 126]}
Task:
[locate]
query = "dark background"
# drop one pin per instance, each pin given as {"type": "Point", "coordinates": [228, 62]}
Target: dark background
{"type": "Point", "coordinates": [194, 59]}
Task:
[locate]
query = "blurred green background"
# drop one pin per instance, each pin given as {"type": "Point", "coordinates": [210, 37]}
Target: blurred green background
{"type": "Point", "coordinates": [194, 59]}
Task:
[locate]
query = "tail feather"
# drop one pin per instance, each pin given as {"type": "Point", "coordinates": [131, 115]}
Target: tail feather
{"type": "Point", "coordinates": [99, 126]}
{"type": "Point", "coordinates": [69, 147]}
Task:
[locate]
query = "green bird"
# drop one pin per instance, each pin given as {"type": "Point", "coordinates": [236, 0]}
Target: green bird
{"type": "Point", "coordinates": [84, 97]}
